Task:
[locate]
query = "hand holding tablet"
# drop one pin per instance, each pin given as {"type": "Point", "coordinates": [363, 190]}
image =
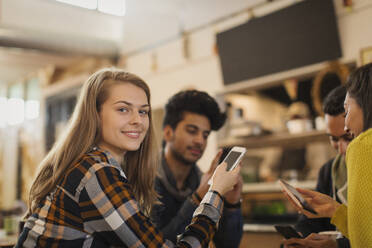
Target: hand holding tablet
{"type": "Point", "coordinates": [296, 196]}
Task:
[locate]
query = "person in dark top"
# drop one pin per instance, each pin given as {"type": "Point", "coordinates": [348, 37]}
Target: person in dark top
{"type": "Point", "coordinates": [332, 177]}
{"type": "Point", "coordinates": [190, 116]}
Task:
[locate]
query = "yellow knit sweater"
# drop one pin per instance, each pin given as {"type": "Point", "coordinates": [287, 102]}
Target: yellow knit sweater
{"type": "Point", "coordinates": [355, 220]}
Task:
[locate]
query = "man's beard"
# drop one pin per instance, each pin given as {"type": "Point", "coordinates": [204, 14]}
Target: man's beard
{"type": "Point", "coordinates": [179, 156]}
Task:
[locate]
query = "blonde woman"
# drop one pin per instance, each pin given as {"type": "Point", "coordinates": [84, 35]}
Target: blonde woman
{"type": "Point", "coordinates": [95, 186]}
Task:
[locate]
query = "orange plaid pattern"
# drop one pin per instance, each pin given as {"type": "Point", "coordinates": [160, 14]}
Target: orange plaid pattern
{"type": "Point", "coordinates": [94, 206]}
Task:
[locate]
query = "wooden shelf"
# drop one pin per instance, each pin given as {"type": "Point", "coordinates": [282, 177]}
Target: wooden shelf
{"type": "Point", "coordinates": [259, 228]}
{"type": "Point", "coordinates": [274, 187]}
{"type": "Point", "coordinates": [280, 139]}
{"type": "Point", "coordinates": [275, 79]}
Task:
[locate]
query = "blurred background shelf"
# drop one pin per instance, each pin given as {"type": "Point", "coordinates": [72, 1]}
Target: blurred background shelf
{"type": "Point", "coordinates": [258, 228]}
{"type": "Point", "coordinates": [280, 139]}
{"type": "Point", "coordinates": [274, 187]}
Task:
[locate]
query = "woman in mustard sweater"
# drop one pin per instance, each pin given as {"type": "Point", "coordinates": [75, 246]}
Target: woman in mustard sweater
{"type": "Point", "coordinates": [355, 219]}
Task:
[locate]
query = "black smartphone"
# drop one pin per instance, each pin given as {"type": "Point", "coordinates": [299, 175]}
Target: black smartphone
{"type": "Point", "coordinates": [287, 232]}
{"type": "Point", "coordinates": [296, 196]}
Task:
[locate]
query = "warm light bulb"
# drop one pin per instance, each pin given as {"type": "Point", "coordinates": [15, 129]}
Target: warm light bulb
{"type": "Point", "coordinates": [16, 111]}
{"type": "Point", "coordinates": [32, 109]}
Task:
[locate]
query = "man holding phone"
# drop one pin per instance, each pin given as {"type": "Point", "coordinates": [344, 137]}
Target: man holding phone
{"type": "Point", "coordinates": [332, 178]}
{"type": "Point", "coordinates": [190, 116]}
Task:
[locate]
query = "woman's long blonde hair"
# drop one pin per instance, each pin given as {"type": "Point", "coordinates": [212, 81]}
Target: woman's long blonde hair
{"type": "Point", "coordinates": [83, 133]}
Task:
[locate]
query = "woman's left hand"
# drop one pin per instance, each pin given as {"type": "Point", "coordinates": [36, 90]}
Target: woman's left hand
{"type": "Point", "coordinates": [323, 204]}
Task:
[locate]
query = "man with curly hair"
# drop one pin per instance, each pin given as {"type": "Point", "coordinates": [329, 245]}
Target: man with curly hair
{"type": "Point", "coordinates": [190, 116]}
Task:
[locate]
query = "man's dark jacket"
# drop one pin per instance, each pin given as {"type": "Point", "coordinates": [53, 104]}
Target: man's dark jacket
{"type": "Point", "coordinates": [177, 207]}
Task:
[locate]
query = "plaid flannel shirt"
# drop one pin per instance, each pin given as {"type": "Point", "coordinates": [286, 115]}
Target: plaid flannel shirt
{"type": "Point", "coordinates": [94, 206]}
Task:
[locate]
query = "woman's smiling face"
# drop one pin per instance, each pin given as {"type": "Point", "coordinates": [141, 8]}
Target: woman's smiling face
{"type": "Point", "coordinates": [353, 116]}
{"type": "Point", "coordinates": [124, 119]}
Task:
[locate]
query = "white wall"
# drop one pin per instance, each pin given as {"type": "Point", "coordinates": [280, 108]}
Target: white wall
{"type": "Point", "coordinates": [355, 28]}
{"type": "Point", "coordinates": [167, 71]}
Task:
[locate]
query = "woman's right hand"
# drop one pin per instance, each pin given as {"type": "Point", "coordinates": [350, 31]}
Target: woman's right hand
{"type": "Point", "coordinates": [223, 181]}
{"type": "Point", "coordinates": [323, 204]}
{"type": "Point", "coordinates": [314, 240]}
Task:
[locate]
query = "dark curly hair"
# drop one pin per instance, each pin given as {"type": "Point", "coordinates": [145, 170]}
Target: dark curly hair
{"type": "Point", "coordinates": [193, 101]}
{"type": "Point", "coordinates": [359, 87]}
{"type": "Point", "coordinates": [333, 104]}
